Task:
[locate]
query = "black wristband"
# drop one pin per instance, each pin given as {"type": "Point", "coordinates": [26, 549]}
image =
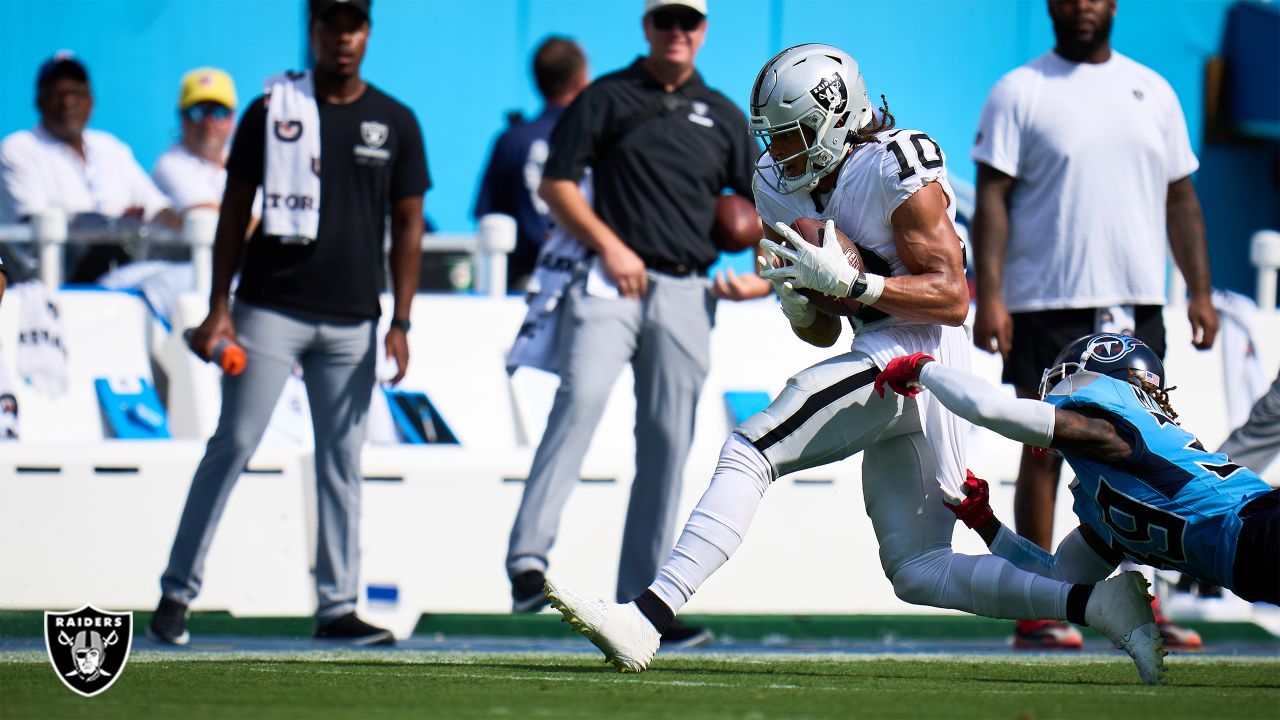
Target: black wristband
{"type": "Point", "coordinates": [401, 324]}
{"type": "Point", "coordinates": [858, 287]}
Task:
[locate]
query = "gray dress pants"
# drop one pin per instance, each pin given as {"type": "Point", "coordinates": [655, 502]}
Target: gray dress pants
{"type": "Point", "coordinates": [666, 338]}
{"type": "Point", "coordinates": [338, 370]}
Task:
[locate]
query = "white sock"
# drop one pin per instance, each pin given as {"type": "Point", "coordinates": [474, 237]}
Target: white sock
{"type": "Point", "coordinates": [717, 525]}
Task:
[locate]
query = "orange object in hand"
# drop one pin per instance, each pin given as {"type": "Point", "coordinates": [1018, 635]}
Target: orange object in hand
{"type": "Point", "coordinates": [230, 357]}
{"type": "Point", "coordinates": [227, 354]}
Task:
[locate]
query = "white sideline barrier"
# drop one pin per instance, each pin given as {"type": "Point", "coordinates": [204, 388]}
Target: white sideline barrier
{"type": "Point", "coordinates": [436, 518]}
{"type": "Point", "coordinates": [97, 522]}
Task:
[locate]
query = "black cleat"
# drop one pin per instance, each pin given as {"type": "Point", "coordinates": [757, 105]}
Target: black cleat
{"type": "Point", "coordinates": [526, 592]}
{"type": "Point", "coordinates": [351, 629]}
{"type": "Point", "coordinates": [168, 624]}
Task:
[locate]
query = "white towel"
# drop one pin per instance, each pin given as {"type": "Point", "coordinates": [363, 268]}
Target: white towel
{"type": "Point", "coordinates": [291, 180]}
{"type": "Point", "coordinates": [42, 350]}
{"type": "Point", "coordinates": [560, 258]}
{"type": "Point", "coordinates": [1243, 376]}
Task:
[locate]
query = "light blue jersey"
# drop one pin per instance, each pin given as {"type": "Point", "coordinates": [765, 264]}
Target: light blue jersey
{"type": "Point", "coordinates": [1172, 504]}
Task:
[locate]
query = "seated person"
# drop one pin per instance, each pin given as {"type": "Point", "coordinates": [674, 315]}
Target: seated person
{"type": "Point", "coordinates": [64, 165]}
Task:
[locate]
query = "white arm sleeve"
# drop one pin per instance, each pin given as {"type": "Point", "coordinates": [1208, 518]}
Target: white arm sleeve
{"type": "Point", "coordinates": [1027, 421]}
{"type": "Point", "coordinates": [1074, 562]}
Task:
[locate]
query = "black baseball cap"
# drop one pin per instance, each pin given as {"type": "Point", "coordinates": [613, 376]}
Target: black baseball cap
{"type": "Point", "coordinates": [320, 7]}
{"type": "Point", "coordinates": [62, 65]}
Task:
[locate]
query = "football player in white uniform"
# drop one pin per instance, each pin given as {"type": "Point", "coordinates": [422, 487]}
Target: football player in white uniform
{"type": "Point", "coordinates": [828, 156]}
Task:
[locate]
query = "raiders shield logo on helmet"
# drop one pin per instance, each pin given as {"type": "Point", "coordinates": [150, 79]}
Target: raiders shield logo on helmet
{"type": "Point", "coordinates": [373, 133]}
{"type": "Point", "coordinates": [831, 94]}
{"type": "Point", "coordinates": [88, 647]}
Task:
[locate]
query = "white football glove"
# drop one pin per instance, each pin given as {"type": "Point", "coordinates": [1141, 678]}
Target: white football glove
{"type": "Point", "coordinates": [794, 305]}
{"type": "Point", "coordinates": [824, 269]}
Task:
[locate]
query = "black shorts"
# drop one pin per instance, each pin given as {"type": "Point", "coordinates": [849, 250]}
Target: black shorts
{"type": "Point", "coordinates": [1039, 336]}
{"type": "Point", "coordinates": [1256, 572]}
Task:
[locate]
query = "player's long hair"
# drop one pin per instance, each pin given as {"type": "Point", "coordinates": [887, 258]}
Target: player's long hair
{"type": "Point", "coordinates": [1158, 394]}
{"type": "Point", "coordinates": [880, 122]}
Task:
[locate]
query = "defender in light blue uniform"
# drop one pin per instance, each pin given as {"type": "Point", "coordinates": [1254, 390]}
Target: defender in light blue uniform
{"type": "Point", "coordinates": [1172, 504]}
{"type": "Point", "coordinates": [1145, 488]}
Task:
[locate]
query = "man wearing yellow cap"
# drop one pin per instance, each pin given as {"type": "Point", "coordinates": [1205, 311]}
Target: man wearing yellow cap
{"type": "Point", "coordinates": [192, 172]}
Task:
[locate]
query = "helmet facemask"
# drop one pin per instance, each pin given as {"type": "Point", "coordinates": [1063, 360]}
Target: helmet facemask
{"type": "Point", "coordinates": [817, 91]}
{"type": "Point", "coordinates": [819, 160]}
{"type": "Point", "coordinates": [1056, 374]}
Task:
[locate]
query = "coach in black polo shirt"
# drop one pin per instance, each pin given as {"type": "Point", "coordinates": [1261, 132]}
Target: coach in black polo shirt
{"type": "Point", "coordinates": [661, 146]}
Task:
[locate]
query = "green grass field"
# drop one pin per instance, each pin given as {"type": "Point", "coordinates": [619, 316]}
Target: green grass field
{"type": "Point", "coordinates": [759, 687]}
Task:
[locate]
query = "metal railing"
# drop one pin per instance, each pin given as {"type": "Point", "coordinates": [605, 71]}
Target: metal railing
{"type": "Point", "coordinates": [49, 232]}
{"type": "Point", "coordinates": [1264, 254]}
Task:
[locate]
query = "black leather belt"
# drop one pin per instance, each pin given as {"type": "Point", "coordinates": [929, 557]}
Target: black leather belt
{"type": "Point", "coordinates": [674, 269]}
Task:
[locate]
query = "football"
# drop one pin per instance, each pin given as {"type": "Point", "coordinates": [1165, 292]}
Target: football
{"type": "Point", "coordinates": [811, 230]}
{"type": "Point", "coordinates": [737, 226]}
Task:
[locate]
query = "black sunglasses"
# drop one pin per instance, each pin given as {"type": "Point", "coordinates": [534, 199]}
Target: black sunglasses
{"type": "Point", "coordinates": [688, 21]}
{"type": "Point", "coordinates": [197, 113]}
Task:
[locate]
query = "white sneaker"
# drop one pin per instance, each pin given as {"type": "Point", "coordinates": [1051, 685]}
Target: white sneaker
{"type": "Point", "coordinates": [622, 632]}
{"type": "Point", "coordinates": [1120, 608]}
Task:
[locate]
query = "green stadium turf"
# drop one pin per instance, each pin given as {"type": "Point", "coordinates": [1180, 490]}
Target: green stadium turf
{"type": "Point", "coordinates": [435, 685]}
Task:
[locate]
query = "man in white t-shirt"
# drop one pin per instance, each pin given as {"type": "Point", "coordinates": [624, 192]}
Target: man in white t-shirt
{"type": "Point", "coordinates": [192, 172]}
{"type": "Point", "coordinates": [1084, 169]}
{"type": "Point", "coordinates": [61, 164]}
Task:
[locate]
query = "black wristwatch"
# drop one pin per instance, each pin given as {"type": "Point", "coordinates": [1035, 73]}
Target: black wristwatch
{"type": "Point", "coordinates": [401, 324]}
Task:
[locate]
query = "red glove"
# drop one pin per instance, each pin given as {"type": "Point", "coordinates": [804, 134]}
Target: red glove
{"type": "Point", "coordinates": [899, 372]}
{"type": "Point", "coordinates": [975, 511]}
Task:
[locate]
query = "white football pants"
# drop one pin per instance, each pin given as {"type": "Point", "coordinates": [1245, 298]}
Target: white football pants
{"type": "Point", "coordinates": [827, 413]}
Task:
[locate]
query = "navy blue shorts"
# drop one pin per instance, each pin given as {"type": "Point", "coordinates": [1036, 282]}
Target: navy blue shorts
{"type": "Point", "coordinates": [1039, 336]}
{"type": "Point", "coordinates": [1257, 567]}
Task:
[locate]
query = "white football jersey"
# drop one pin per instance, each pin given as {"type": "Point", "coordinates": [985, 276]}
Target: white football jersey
{"type": "Point", "coordinates": [873, 182]}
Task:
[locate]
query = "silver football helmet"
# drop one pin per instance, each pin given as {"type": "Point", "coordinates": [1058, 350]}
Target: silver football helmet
{"type": "Point", "coordinates": [814, 86]}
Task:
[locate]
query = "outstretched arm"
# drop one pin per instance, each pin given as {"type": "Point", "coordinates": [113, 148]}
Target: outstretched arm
{"type": "Point", "coordinates": [1075, 560]}
{"type": "Point", "coordinates": [1031, 422]}
{"type": "Point", "coordinates": [1082, 556]}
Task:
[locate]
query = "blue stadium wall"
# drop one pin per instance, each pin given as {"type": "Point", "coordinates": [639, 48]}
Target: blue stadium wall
{"type": "Point", "coordinates": [463, 66]}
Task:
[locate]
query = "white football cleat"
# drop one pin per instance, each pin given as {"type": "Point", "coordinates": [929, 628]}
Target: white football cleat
{"type": "Point", "coordinates": [625, 636]}
{"type": "Point", "coordinates": [1120, 608]}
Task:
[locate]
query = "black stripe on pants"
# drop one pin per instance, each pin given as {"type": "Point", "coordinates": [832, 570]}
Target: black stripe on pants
{"type": "Point", "coordinates": [814, 404]}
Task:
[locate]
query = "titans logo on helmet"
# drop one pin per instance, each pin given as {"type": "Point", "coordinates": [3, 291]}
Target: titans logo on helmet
{"type": "Point", "coordinates": [1111, 348]}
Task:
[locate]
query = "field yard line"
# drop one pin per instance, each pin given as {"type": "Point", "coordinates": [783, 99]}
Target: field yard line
{"type": "Point", "coordinates": [429, 657]}
{"type": "Point", "coordinates": [634, 680]}
{"type": "Point", "coordinates": [620, 678]}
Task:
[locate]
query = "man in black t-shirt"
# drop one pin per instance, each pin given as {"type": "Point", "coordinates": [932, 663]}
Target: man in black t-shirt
{"type": "Point", "coordinates": [662, 146]}
{"type": "Point", "coordinates": [314, 303]}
